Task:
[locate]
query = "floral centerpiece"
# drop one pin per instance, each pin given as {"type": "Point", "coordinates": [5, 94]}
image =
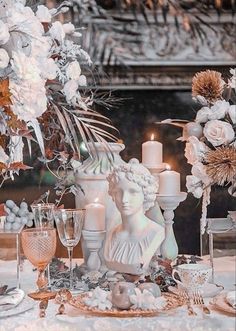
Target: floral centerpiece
{"type": "Point", "coordinates": [211, 138]}
{"type": "Point", "coordinates": [44, 95]}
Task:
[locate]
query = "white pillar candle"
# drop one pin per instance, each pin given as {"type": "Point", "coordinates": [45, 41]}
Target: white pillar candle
{"type": "Point", "coordinates": [151, 153]}
{"type": "Point", "coordinates": [169, 183]}
{"type": "Point", "coordinates": [94, 217]}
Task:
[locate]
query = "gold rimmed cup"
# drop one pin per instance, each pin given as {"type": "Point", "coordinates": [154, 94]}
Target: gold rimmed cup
{"type": "Point", "coordinates": [69, 224]}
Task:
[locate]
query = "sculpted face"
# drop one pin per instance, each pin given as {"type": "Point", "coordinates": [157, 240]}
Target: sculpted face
{"type": "Point", "coordinates": [128, 197]}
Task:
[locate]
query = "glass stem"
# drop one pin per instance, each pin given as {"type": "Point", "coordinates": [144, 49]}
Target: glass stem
{"type": "Point", "coordinates": [42, 280]}
{"type": "Point", "coordinates": [70, 254]}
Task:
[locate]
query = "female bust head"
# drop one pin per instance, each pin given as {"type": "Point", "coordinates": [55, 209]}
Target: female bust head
{"type": "Point", "coordinates": [140, 185]}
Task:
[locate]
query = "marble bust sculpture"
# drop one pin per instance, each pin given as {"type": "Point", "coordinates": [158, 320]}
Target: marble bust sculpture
{"type": "Point", "coordinates": [130, 245]}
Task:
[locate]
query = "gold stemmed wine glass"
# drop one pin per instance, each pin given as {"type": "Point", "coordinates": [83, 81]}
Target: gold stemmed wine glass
{"type": "Point", "coordinates": [69, 224]}
{"type": "Point", "coordinates": [44, 218]}
{"type": "Point", "coordinates": [39, 246]}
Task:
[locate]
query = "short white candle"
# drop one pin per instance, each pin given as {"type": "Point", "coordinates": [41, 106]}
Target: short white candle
{"type": "Point", "coordinates": [151, 153]}
{"type": "Point", "coordinates": [94, 217]}
{"type": "Point", "coordinates": [169, 183]}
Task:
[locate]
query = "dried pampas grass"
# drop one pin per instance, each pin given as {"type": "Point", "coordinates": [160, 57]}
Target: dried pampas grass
{"type": "Point", "coordinates": [221, 165]}
{"type": "Point", "coordinates": [209, 85]}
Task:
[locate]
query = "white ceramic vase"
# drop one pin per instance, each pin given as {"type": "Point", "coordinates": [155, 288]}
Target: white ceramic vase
{"type": "Point", "coordinates": [92, 177]}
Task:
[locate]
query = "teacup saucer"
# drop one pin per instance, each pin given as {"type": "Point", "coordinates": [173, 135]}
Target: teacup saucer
{"type": "Point", "coordinates": [210, 290]}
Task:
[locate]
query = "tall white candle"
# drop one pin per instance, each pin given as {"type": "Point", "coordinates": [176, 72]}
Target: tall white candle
{"type": "Point", "coordinates": [169, 183]}
{"type": "Point", "coordinates": [152, 153]}
{"type": "Point", "coordinates": [94, 217]}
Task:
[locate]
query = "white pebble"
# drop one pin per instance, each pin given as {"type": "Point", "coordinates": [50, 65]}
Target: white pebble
{"type": "Point", "coordinates": [10, 204]}
{"type": "Point", "coordinates": [7, 226]}
{"type": "Point", "coordinates": [15, 209]}
{"type": "Point", "coordinates": [16, 226]}
{"type": "Point", "coordinates": [24, 220]}
{"type": "Point", "coordinates": [30, 223]}
{"type": "Point", "coordinates": [22, 212]}
{"type": "Point", "coordinates": [24, 205]}
{"type": "Point", "coordinates": [17, 220]}
{"type": "Point", "coordinates": [11, 218]}
{"type": "Point", "coordinates": [31, 216]}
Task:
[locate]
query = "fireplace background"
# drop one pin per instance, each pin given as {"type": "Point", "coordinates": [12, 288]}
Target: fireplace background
{"type": "Point", "coordinates": [150, 67]}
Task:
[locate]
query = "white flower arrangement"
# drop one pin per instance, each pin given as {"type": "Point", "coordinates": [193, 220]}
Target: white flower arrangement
{"type": "Point", "coordinates": [43, 88]}
{"type": "Point", "coordinates": [213, 154]}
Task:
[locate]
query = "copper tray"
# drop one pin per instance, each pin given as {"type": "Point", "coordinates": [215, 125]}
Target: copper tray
{"type": "Point", "coordinates": [78, 302]}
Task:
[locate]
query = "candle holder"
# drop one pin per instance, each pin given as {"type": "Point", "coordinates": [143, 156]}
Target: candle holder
{"type": "Point", "coordinates": [169, 247]}
{"type": "Point", "coordinates": [157, 170]}
{"type": "Point", "coordinates": [94, 241]}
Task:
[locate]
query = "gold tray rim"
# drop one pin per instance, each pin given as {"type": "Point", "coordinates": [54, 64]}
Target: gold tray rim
{"type": "Point", "coordinates": [77, 303]}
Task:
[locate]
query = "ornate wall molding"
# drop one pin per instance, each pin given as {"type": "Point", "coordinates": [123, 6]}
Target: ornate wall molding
{"type": "Point", "coordinates": [137, 55]}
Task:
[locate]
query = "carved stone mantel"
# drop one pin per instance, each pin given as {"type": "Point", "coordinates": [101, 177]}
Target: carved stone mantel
{"type": "Point", "coordinates": [160, 57]}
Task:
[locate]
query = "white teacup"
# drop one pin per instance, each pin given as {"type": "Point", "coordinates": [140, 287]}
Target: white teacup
{"type": "Point", "coordinates": [192, 276]}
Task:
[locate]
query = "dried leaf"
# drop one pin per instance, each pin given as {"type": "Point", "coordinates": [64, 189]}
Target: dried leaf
{"type": "Point", "coordinates": [16, 166]}
{"type": "Point", "coordinates": [5, 93]}
{"type": "Point", "coordinates": [3, 166]}
{"type": "Point", "coordinates": [3, 138]}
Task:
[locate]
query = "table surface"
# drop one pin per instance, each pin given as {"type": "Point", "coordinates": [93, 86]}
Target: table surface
{"type": "Point", "coordinates": [177, 320]}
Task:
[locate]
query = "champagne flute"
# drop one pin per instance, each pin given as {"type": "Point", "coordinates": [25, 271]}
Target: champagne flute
{"type": "Point", "coordinates": [69, 224]}
{"type": "Point", "coordinates": [39, 246]}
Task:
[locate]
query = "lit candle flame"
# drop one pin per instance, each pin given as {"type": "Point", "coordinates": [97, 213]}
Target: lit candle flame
{"type": "Point", "coordinates": [168, 167]}
{"type": "Point", "coordinates": [152, 136]}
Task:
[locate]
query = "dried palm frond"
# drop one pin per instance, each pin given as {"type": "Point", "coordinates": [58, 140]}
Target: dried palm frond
{"type": "Point", "coordinates": [208, 84]}
{"type": "Point", "coordinates": [221, 165]}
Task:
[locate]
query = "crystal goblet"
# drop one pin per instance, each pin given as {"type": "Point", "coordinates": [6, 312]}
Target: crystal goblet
{"type": "Point", "coordinates": [44, 217]}
{"type": "Point", "coordinates": [69, 224]}
{"type": "Point", "coordinates": [39, 246]}
{"type": "Point", "coordinates": [43, 214]}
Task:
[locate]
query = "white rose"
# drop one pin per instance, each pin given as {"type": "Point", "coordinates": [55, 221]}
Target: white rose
{"type": "Point", "coordinates": [73, 70]}
{"type": "Point", "coordinates": [25, 67]}
{"type": "Point", "coordinates": [25, 20]}
{"type": "Point", "coordinates": [69, 28]}
{"type": "Point", "coordinates": [4, 33]}
{"type": "Point", "coordinates": [40, 47]}
{"type": "Point", "coordinates": [194, 186]}
{"type": "Point", "coordinates": [29, 100]}
{"type": "Point", "coordinates": [232, 113]}
{"type": "Point", "coordinates": [49, 69]}
{"type": "Point", "coordinates": [82, 81]}
{"type": "Point", "coordinates": [199, 171]}
{"type": "Point", "coordinates": [3, 156]}
{"type": "Point", "coordinates": [218, 110]}
{"type": "Point", "coordinates": [43, 14]}
{"type": "Point", "coordinates": [218, 132]}
{"type": "Point", "coordinates": [4, 58]}
{"type": "Point", "coordinates": [203, 115]}
{"type": "Point", "coordinates": [70, 91]}
{"type": "Point", "coordinates": [57, 32]}
{"type": "Point", "coordinates": [195, 150]}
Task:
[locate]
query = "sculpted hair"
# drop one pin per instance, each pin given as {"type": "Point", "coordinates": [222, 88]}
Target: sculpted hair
{"type": "Point", "coordinates": [136, 173]}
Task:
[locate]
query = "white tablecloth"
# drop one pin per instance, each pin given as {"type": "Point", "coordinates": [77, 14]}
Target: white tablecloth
{"type": "Point", "coordinates": [177, 321]}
